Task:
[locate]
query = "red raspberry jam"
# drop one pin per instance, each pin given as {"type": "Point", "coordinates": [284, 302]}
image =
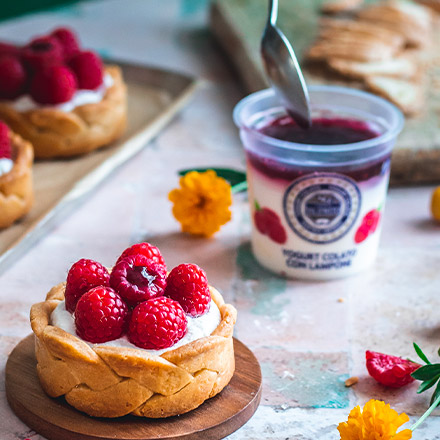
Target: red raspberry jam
{"type": "Point", "coordinates": [324, 131]}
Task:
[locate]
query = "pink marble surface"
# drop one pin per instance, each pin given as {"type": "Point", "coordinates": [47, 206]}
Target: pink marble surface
{"type": "Point", "coordinates": [306, 340]}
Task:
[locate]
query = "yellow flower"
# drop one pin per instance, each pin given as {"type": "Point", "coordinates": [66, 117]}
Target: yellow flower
{"type": "Point", "coordinates": [202, 202]}
{"type": "Point", "coordinates": [435, 204]}
{"type": "Point", "coordinates": [378, 421]}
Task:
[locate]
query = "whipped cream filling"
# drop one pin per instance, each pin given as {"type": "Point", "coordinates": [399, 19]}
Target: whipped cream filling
{"type": "Point", "coordinates": [197, 328]}
{"type": "Point", "coordinates": [25, 103]}
{"type": "Point", "coordinates": [6, 165]}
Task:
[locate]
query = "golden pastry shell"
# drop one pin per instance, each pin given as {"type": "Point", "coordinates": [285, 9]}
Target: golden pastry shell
{"type": "Point", "coordinates": [56, 133]}
{"type": "Point", "coordinates": [106, 381]}
{"type": "Point", "coordinates": [16, 189]}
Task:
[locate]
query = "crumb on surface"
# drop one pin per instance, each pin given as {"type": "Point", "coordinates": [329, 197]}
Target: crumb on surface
{"type": "Point", "coordinates": [351, 381]}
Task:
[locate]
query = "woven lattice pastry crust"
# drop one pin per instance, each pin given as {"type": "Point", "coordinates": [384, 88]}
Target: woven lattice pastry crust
{"type": "Point", "coordinates": [108, 381]}
{"type": "Point", "coordinates": [55, 133]}
{"type": "Point", "coordinates": [16, 191]}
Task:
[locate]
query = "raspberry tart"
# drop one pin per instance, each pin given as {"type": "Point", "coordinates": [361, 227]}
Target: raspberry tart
{"type": "Point", "coordinates": [16, 190]}
{"type": "Point", "coordinates": [138, 342]}
{"type": "Point", "coordinates": [61, 98]}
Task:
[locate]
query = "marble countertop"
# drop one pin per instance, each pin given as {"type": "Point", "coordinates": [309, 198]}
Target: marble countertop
{"type": "Point", "coordinates": [309, 337]}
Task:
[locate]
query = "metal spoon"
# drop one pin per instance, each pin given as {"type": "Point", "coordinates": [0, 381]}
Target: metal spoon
{"type": "Point", "coordinates": [283, 71]}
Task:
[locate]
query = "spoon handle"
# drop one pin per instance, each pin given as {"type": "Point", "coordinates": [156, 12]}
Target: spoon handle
{"type": "Point", "coordinates": [273, 12]}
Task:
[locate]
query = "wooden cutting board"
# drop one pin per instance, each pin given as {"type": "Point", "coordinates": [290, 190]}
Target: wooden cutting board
{"type": "Point", "coordinates": [238, 26]}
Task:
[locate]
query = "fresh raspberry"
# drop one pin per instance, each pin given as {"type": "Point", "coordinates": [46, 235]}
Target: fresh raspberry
{"type": "Point", "coordinates": [371, 220]}
{"type": "Point", "coordinates": [54, 85]}
{"type": "Point", "coordinates": [9, 49]}
{"type": "Point", "coordinates": [137, 279]}
{"type": "Point", "coordinates": [157, 323]}
{"type": "Point", "coordinates": [88, 69]}
{"type": "Point", "coordinates": [391, 371]}
{"type": "Point", "coordinates": [83, 276]}
{"type": "Point", "coordinates": [147, 249]}
{"type": "Point", "coordinates": [5, 142]}
{"type": "Point", "coordinates": [68, 40]}
{"type": "Point", "coordinates": [188, 285]}
{"type": "Point", "coordinates": [100, 315]}
{"type": "Point", "coordinates": [42, 52]}
{"type": "Point", "coordinates": [13, 77]}
{"type": "Point", "coordinates": [362, 233]}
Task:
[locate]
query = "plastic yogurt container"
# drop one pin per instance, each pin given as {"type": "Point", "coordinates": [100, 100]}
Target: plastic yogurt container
{"type": "Point", "coordinates": [317, 197]}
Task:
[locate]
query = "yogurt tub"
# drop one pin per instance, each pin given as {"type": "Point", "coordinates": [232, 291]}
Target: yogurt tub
{"type": "Point", "coordinates": [317, 203]}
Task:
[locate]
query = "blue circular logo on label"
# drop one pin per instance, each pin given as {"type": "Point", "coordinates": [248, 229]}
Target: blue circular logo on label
{"type": "Point", "coordinates": [321, 208]}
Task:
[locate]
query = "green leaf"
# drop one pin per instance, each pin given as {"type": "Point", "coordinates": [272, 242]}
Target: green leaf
{"type": "Point", "coordinates": [420, 353]}
{"type": "Point", "coordinates": [427, 384]}
{"type": "Point", "coordinates": [426, 372]}
{"type": "Point", "coordinates": [234, 177]}
{"type": "Point", "coordinates": [438, 352]}
{"type": "Point", "coordinates": [239, 187]}
{"type": "Point", "coordinates": [436, 394]}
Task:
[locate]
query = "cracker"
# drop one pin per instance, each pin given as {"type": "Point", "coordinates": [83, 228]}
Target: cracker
{"type": "Point", "coordinates": [433, 4]}
{"type": "Point", "coordinates": [359, 38]}
{"type": "Point", "coordinates": [351, 381]}
{"type": "Point", "coordinates": [413, 21]}
{"type": "Point", "coordinates": [365, 29]}
{"type": "Point", "coordinates": [337, 6]}
{"type": "Point", "coordinates": [399, 67]}
{"type": "Point", "coordinates": [362, 51]}
{"type": "Point", "coordinates": [415, 12]}
{"type": "Point", "coordinates": [407, 95]}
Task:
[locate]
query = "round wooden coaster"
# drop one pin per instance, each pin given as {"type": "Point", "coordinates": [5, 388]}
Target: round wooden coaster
{"type": "Point", "coordinates": [55, 419]}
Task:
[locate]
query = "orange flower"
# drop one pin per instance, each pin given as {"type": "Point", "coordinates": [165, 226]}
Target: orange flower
{"type": "Point", "coordinates": [202, 202]}
{"type": "Point", "coordinates": [377, 421]}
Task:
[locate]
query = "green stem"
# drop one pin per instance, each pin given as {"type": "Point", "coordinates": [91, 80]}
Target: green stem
{"type": "Point", "coordinates": [427, 413]}
{"type": "Point", "coordinates": [242, 186]}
